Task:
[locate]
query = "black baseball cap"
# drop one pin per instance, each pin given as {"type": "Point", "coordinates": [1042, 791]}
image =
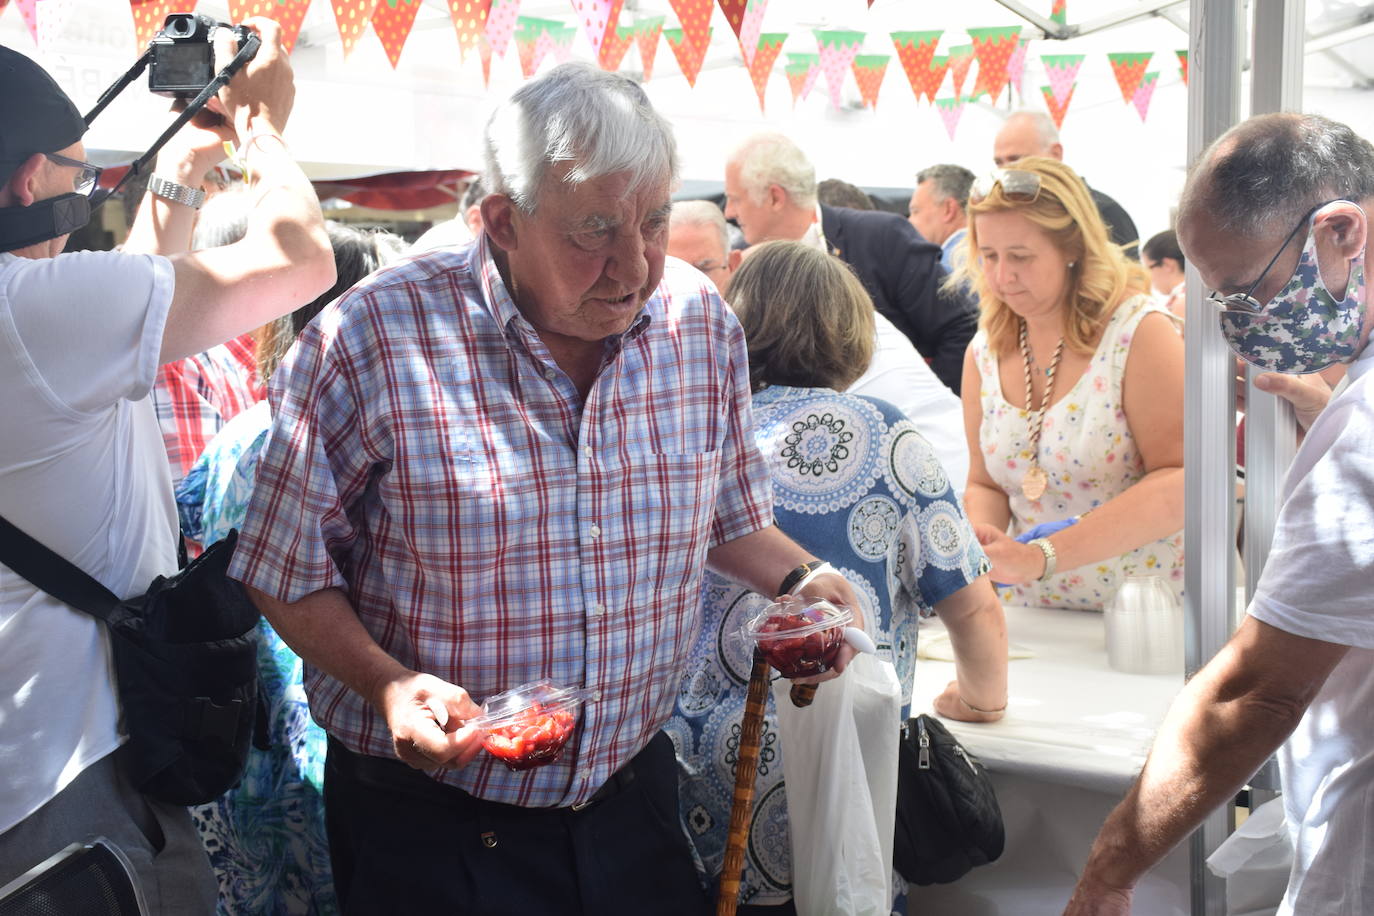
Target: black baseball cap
{"type": "Point", "coordinates": [36, 116]}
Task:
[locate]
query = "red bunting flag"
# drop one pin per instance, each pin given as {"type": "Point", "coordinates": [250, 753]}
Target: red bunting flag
{"type": "Point", "coordinates": [694, 20]}
{"type": "Point", "coordinates": [734, 13]}
{"type": "Point", "coordinates": [1183, 65]}
{"type": "Point", "coordinates": [614, 47]}
{"type": "Point", "coordinates": [1129, 68]}
{"type": "Point", "coordinates": [533, 42]}
{"type": "Point", "coordinates": [689, 56]}
{"type": "Point", "coordinates": [960, 60]}
{"type": "Point", "coordinates": [1059, 13]}
{"type": "Point", "coordinates": [598, 19]}
{"type": "Point", "coordinates": [501, 18]}
{"type": "Point", "coordinates": [801, 71]}
{"type": "Point", "coordinates": [647, 33]}
{"type": "Point", "coordinates": [392, 21]}
{"type": "Point", "coordinates": [289, 14]}
{"type": "Point", "coordinates": [484, 51]}
{"type": "Point", "coordinates": [761, 62]}
{"type": "Point", "coordinates": [869, 70]}
{"type": "Point", "coordinates": [469, 22]}
{"type": "Point", "coordinates": [1057, 107]}
{"type": "Point", "coordinates": [352, 17]}
{"type": "Point", "coordinates": [935, 76]}
{"type": "Point", "coordinates": [916, 50]}
{"type": "Point", "coordinates": [993, 48]}
{"type": "Point", "coordinates": [148, 17]}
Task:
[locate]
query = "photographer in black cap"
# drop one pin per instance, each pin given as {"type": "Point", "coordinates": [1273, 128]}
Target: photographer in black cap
{"type": "Point", "coordinates": [82, 467]}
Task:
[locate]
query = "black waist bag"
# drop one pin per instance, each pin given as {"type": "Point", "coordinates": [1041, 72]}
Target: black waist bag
{"type": "Point", "coordinates": [185, 656]}
{"type": "Point", "coordinates": [948, 819]}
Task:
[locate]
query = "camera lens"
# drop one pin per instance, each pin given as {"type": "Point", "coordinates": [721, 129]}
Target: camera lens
{"type": "Point", "coordinates": [182, 25]}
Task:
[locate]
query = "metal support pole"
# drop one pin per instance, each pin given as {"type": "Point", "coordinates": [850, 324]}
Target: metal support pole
{"type": "Point", "coordinates": [1214, 62]}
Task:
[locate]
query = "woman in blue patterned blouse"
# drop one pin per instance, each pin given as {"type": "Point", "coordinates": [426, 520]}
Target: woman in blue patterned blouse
{"type": "Point", "coordinates": [855, 483]}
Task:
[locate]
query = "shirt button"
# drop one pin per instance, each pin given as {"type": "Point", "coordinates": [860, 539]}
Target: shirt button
{"type": "Point", "coordinates": [585, 775]}
{"type": "Point", "coordinates": [596, 531]}
{"type": "Point", "coordinates": [587, 451]}
{"type": "Point", "coordinates": [549, 374]}
{"type": "Point", "coordinates": [598, 610]}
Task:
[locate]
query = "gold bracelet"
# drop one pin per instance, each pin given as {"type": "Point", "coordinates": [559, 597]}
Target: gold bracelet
{"type": "Point", "coordinates": [987, 712]}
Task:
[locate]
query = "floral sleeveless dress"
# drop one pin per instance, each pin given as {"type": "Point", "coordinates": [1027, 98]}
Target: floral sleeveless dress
{"type": "Point", "coordinates": [1087, 450]}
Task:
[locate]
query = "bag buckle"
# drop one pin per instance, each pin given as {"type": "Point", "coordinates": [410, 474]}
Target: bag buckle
{"type": "Point", "coordinates": [208, 719]}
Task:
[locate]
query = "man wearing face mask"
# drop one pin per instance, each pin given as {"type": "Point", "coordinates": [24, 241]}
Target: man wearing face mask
{"type": "Point", "coordinates": [1275, 217]}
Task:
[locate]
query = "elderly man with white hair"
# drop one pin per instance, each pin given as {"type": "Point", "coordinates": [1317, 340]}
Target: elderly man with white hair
{"type": "Point", "coordinates": [1033, 133]}
{"type": "Point", "coordinates": [511, 462]}
{"type": "Point", "coordinates": [697, 234]}
{"type": "Point", "coordinates": [770, 191]}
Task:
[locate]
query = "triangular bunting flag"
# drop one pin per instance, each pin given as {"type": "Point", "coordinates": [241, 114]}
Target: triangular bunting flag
{"type": "Point", "coordinates": [960, 60]}
{"type": "Point", "coordinates": [469, 22]}
{"type": "Point", "coordinates": [392, 21]}
{"type": "Point", "coordinates": [1058, 107]}
{"type": "Point", "coordinates": [761, 62]}
{"type": "Point", "coordinates": [352, 17]}
{"type": "Point", "coordinates": [950, 110]}
{"type": "Point", "coordinates": [694, 19]}
{"type": "Point", "coordinates": [563, 37]}
{"type": "Point", "coordinates": [1183, 65]}
{"type": "Point", "coordinates": [935, 76]}
{"type": "Point", "coordinates": [1129, 68]}
{"type": "Point", "coordinates": [1016, 67]}
{"type": "Point", "coordinates": [647, 33]}
{"type": "Point", "coordinates": [598, 19]}
{"type": "Point", "coordinates": [802, 70]}
{"type": "Point", "coordinates": [52, 16]}
{"type": "Point", "coordinates": [484, 53]}
{"type": "Point", "coordinates": [734, 14]}
{"type": "Point", "coordinates": [689, 56]}
{"type": "Point", "coordinates": [1145, 93]}
{"type": "Point", "coordinates": [751, 28]}
{"type": "Point", "coordinates": [915, 50]}
{"type": "Point", "coordinates": [533, 42]}
{"type": "Point", "coordinates": [289, 14]}
{"type": "Point", "coordinates": [838, 49]}
{"type": "Point", "coordinates": [869, 70]}
{"type": "Point", "coordinates": [614, 48]}
{"type": "Point", "coordinates": [1061, 70]}
{"type": "Point", "coordinates": [148, 18]}
{"type": "Point", "coordinates": [500, 24]}
{"type": "Point", "coordinates": [1060, 12]}
{"type": "Point", "coordinates": [993, 48]}
{"type": "Point", "coordinates": [29, 14]}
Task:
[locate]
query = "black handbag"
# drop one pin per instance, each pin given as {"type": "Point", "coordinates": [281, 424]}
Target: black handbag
{"type": "Point", "coordinates": [185, 657]}
{"type": "Point", "coordinates": [948, 819]}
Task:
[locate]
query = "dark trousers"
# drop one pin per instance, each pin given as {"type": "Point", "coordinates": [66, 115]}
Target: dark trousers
{"type": "Point", "coordinates": [401, 842]}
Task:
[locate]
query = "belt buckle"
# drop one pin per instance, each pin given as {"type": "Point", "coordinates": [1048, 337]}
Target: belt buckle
{"type": "Point", "coordinates": [584, 804]}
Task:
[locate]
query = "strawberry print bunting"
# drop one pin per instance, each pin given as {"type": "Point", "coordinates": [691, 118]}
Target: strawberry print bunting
{"type": "Point", "coordinates": [1145, 93]}
{"type": "Point", "coordinates": [761, 62]}
{"type": "Point", "coordinates": [1016, 67]}
{"type": "Point", "coordinates": [392, 21]}
{"type": "Point", "coordinates": [1059, 13]}
{"type": "Point", "coordinates": [734, 13]}
{"type": "Point", "coordinates": [802, 70]}
{"type": "Point", "coordinates": [915, 51]}
{"type": "Point", "coordinates": [469, 22]}
{"type": "Point", "coordinates": [694, 20]}
{"type": "Point", "coordinates": [598, 19]}
{"type": "Point", "coordinates": [960, 60]}
{"type": "Point", "coordinates": [647, 33]}
{"type": "Point", "coordinates": [993, 48]}
{"type": "Point", "coordinates": [837, 49]}
{"type": "Point", "coordinates": [1183, 65]}
{"type": "Point", "coordinates": [352, 17]}
{"type": "Point", "coordinates": [1061, 70]}
{"type": "Point", "coordinates": [29, 13]}
{"type": "Point", "coordinates": [1057, 106]}
{"type": "Point", "coordinates": [289, 14]}
{"type": "Point", "coordinates": [1130, 70]}
{"type": "Point", "coordinates": [615, 47]}
{"type": "Point", "coordinates": [935, 76]}
{"type": "Point", "coordinates": [950, 110]}
{"type": "Point", "coordinates": [751, 29]}
{"type": "Point", "coordinates": [148, 17]}
{"type": "Point", "coordinates": [869, 70]}
{"type": "Point", "coordinates": [689, 56]}
{"type": "Point", "coordinates": [501, 18]}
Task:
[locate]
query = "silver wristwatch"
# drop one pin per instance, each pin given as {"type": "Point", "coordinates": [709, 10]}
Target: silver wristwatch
{"type": "Point", "coordinates": [176, 193]}
{"type": "Point", "coordinates": [1051, 558]}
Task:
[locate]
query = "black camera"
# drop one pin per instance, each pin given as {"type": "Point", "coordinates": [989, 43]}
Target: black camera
{"type": "Point", "coordinates": [183, 55]}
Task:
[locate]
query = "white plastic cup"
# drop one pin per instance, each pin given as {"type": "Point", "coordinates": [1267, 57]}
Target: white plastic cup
{"type": "Point", "coordinates": [1144, 626]}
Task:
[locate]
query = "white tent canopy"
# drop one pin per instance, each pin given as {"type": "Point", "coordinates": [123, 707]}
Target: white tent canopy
{"type": "Point", "coordinates": [358, 116]}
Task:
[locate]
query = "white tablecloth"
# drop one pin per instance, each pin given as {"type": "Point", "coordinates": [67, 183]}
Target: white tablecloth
{"type": "Point", "coordinates": [1076, 733]}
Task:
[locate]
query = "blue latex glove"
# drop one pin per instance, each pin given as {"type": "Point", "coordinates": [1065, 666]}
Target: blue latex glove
{"type": "Point", "coordinates": [1043, 530]}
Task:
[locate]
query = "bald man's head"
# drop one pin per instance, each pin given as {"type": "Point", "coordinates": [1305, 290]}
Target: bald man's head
{"type": "Point", "coordinates": [1025, 134]}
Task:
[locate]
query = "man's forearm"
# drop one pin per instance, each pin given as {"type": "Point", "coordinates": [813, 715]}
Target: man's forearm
{"type": "Point", "coordinates": [324, 629]}
{"type": "Point", "coordinates": [759, 561]}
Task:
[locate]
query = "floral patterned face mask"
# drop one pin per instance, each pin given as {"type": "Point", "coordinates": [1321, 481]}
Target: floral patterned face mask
{"type": "Point", "coordinates": [1304, 328]}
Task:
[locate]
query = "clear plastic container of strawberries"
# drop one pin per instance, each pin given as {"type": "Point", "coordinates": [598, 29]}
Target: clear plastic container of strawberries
{"type": "Point", "coordinates": [800, 637]}
{"type": "Point", "coordinates": [528, 726]}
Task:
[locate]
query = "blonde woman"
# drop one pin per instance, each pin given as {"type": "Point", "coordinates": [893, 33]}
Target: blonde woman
{"type": "Point", "coordinates": [853, 482]}
{"type": "Point", "coordinates": [1073, 398]}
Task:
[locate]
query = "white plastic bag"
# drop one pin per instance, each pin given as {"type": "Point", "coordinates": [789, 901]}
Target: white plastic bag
{"type": "Point", "coordinates": [840, 760]}
{"type": "Point", "coordinates": [1255, 861]}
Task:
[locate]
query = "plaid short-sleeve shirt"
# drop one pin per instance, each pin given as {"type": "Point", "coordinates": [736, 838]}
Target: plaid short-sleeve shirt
{"type": "Point", "coordinates": [428, 456]}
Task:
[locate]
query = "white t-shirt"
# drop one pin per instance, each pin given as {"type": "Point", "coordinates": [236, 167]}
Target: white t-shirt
{"type": "Point", "coordinates": [901, 376]}
{"type": "Point", "coordinates": [82, 470]}
{"type": "Point", "coordinates": [1319, 583]}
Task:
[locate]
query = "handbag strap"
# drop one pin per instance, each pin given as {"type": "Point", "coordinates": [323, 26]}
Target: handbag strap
{"type": "Point", "coordinates": [54, 574]}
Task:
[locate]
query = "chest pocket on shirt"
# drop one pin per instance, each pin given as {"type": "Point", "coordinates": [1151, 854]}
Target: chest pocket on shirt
{"type": "Point", "coordinates": [677, 500]}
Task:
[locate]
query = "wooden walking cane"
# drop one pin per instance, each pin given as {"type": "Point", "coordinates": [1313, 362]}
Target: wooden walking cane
{"type": "Point", "coordinates": [746, 766]}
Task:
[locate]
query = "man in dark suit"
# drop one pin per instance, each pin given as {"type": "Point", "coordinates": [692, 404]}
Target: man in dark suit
{"type": "Point", "coordinates": [770, 191]}
{"type": "Point", "coordinates": [1033, 133]}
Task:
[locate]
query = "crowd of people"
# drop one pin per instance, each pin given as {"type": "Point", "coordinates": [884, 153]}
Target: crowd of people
{"type": "Point", "coordinates": [581, 431]}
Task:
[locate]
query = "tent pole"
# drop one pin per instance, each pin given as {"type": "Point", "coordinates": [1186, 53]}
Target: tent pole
{"type": "Point", "coordinates": [1214, 65]}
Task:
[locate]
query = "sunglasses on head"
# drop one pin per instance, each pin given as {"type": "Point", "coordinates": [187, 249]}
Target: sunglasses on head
{"type": "Point", "coordinates": [1018, 186]}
